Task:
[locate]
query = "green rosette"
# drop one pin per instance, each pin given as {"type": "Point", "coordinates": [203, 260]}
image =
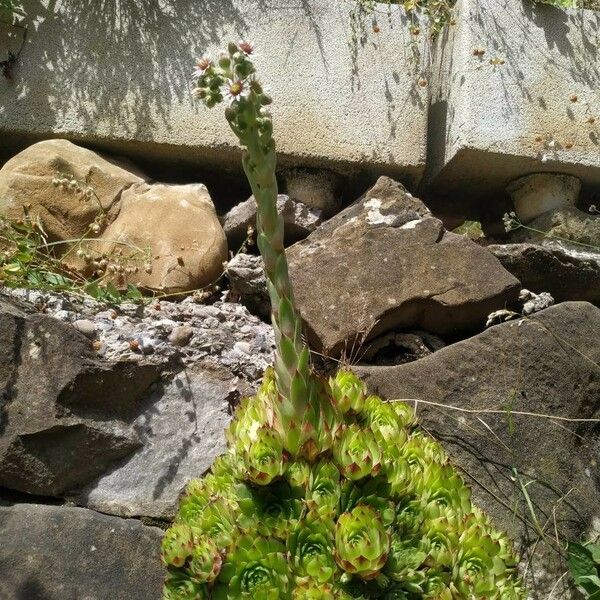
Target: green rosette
{"type": "Point", "coordinates": [357, 453]}
{"type": "Point", "coordinates": [324, 489]}
{"type": "Point", "coordinates": [272, 511]}
{"type": "Point", "coordinates": [177, 545]}
{"type": "Point", "coordinates": [381, 418]}
{"type": "Point", "coordinates": [180, 586]}
{"type": "Point", "coordinates": [205, 561]}
{"type": "Point", "coordinates": [348, 391]}
{"type": "Point", "coordinates": [255, 568]}
{"type": "Point", "coordinates": [310, 548]}
{"type": "Point", "coordinates": [362, 543]}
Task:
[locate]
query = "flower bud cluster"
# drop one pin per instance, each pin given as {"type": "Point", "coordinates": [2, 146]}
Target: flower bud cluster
{"type": "Point", "coordinates": [233, 78]}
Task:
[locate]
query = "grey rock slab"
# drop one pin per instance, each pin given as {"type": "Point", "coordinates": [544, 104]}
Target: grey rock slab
{"type": "Point", "coordinates": [386, 263]}
{"type": "Point", "coordinates": [565, 272]}
{"type": "Point", "coordinates": [182, 430]}
{"type": "Point", "coordinates": [299, 220]}
{"type": "Point", "coordinates": [119, 429]}
{"type": "Point", "coordinates": [546, 364]}
{"type": "Point", "coordinates": [68, 553]}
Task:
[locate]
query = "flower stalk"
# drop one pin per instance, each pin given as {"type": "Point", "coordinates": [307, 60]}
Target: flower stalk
{"type": "Point", "coordinates": [233, 78]}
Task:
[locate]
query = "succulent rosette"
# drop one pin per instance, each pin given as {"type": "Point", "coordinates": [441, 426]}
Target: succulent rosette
{"type": "Point", "coordinates": [324, 489]}
{"type": "Point", "coordinates": [307, 589]}
{"type": "Point", "coordinates": [205, 561]}
{"type": "Point", "coordinates": [180, 586]}
{"type": "Point", "coordinates": [255, 567]}
{"type": "Point", "coordinates": [362, 543]}
{"type": "Point", "coordinates": [177, 545]}
{"type": "Point", "coordinates": [347, 391]}
{"type": "Point", "coordinates": [270, 511]}
{"type": "Point", "coordinates": [310, 548]}
{"type": "Point", "coordinates": [357, 453]}
{"type": "Point", "coordinates": [325, 492]}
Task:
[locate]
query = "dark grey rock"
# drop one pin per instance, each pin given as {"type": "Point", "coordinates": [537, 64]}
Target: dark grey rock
{"type": "Point", "coordinates": [122, 429]}
{"type": "Point", "coordinates": [65, 553]}
{"type": "Point", "coordinates": [385, 263]}
{"type": "Point", "coordinates": [56, 431]}
{"type": "Point", "coordinates": [565, 272]}
{"type": "Point", "coordinates": [546, 364]}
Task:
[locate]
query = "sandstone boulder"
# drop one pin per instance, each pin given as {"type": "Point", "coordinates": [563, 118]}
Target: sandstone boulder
{"type": "Point", "coordinates": [386, 263]}
{"type": "Point", "coordinates": [65, 213]}
{"type": "Point", "coordinates": [58, 552]}
{"type": "Point", "coordinates": [299, 219]}
{"type": "Point", "coordinates": [564, 271]}
{"type": "Point", "coordinates": [547, 364]}
{"type": "Point", "coordinates": [178, 226]}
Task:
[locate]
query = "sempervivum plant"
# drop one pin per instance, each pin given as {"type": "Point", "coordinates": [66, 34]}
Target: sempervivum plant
{"type": "Point", "coordinates": [326, 492]}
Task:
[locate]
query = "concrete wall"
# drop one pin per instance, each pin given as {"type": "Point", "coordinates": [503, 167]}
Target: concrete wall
{"type": "Point", "coordinates": [116, 74]}
{"type": "Point", "coordinates": [511, 111]}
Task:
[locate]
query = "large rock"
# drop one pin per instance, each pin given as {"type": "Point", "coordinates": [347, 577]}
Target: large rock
{"type": "Point", "coordinates": [56, 431]}
{"type": "Point", "coordinates": [182, 429]}
{"type": "Point", "coordinates": [179, 227]}
{"type": "Point", "coordinates": [299, 220]}
{"type": "Point", "coordinates": [124, 425]}
{"type": "Point", "coordinates": [27, 180]}
{"type": "Point", "coordinates": [567, 273]}
{"type": "Point", "coordinates": [548, 364]}
{"type": "Point", "coordinates": [384, 263]}
{"type": "Point", "coordinates": [60, 553]}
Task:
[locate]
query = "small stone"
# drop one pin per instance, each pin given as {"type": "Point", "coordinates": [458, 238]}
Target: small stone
{"type": "Point", "coordinates": [317, 188]}
{"type": "Point", "coordinates": [299, 219]}
{"type": "Point", "coordinates": [181, 336]}
{"type": "Point", "coordinates": [87, 327]}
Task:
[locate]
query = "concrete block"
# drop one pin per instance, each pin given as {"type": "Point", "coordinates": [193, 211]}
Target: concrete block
{"type": "Point", "coordinates": [119, 80]}
{"type": "Point", "coordinates": [517, 91]}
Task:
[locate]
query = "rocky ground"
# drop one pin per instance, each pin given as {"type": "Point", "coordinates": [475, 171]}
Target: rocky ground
{"type": "Point", "coordinates": [107, 410]}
